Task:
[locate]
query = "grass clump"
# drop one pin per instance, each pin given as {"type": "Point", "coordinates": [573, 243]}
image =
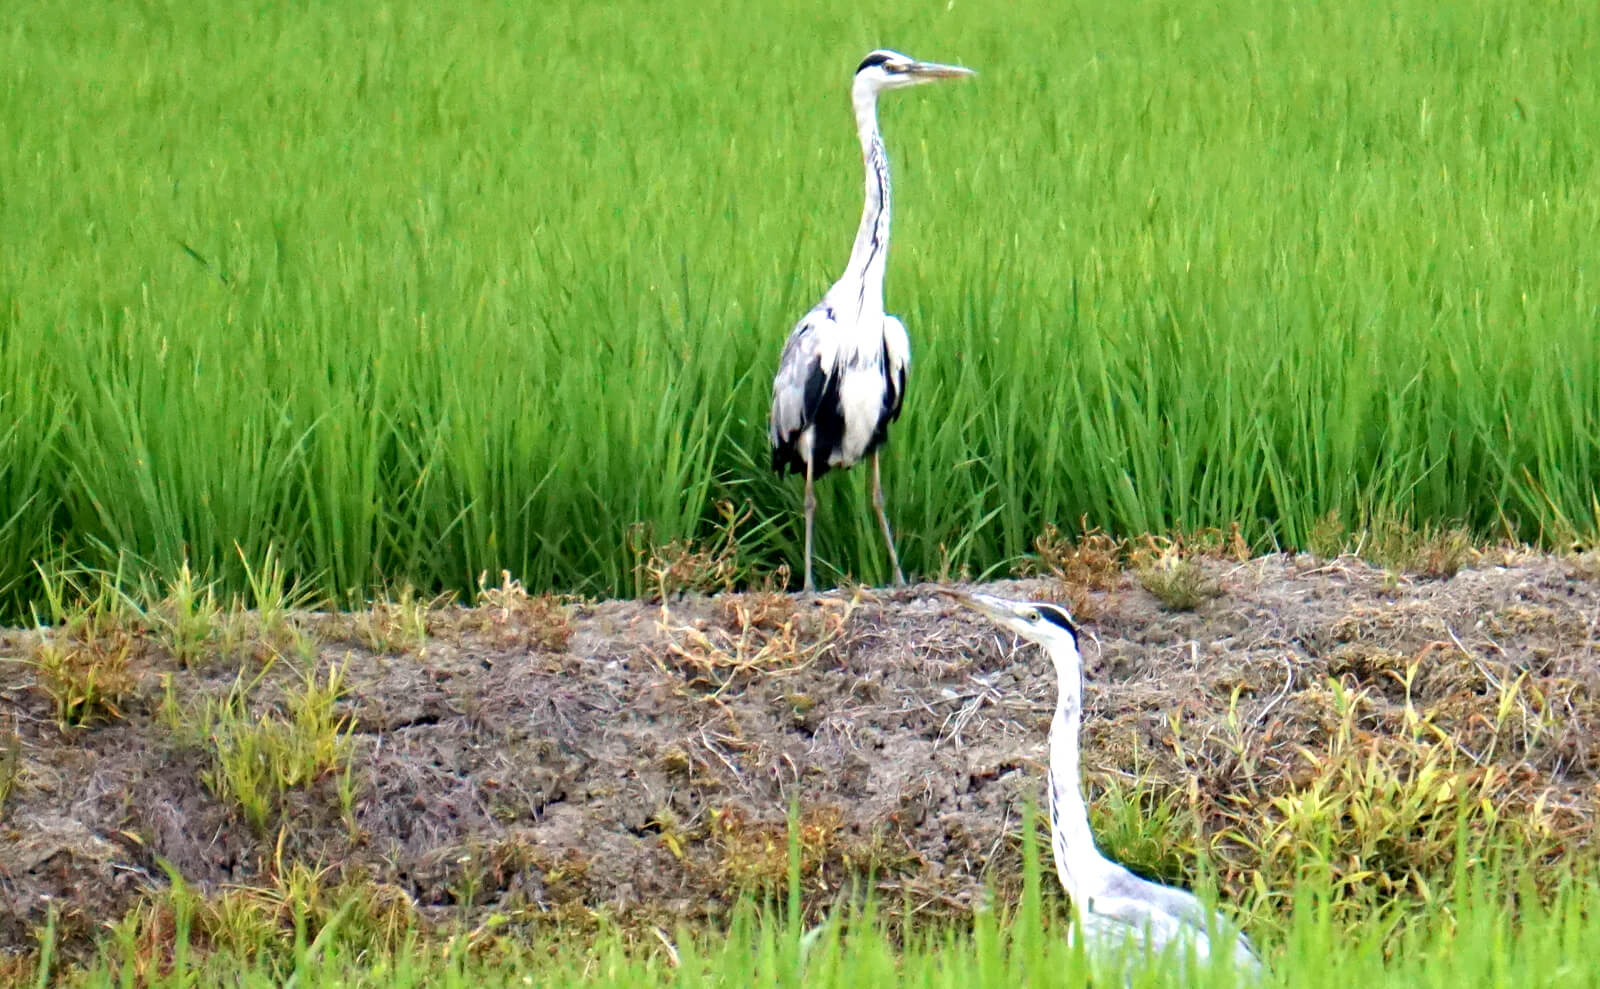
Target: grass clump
{"type": "Point", "coordinates": [83, 660]}
{"type": "Point", "coordinates": [1394, 810]}
{"type": "Point", "coordinates": [188, 618]}
{"type": "Point", "coordinates": [1436, 550]}
{"type": "Point", "coordinates": [257, 759]}
{"type": "Point", "coordinates": [396, 623]}
{"type": "Point", "coordinates": [273, 927]}
{"type": "Point", "coordinates": [1168, 571]}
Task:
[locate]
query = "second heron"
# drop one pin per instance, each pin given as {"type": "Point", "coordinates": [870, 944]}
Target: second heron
{"type": "Point", "coordinates": [842, 377]}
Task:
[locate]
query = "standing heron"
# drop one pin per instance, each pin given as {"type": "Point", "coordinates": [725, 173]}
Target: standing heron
{"type": "Point", "coordinates": [1111, 904]}
{"type": "Point", "coordinates": [842, 377]}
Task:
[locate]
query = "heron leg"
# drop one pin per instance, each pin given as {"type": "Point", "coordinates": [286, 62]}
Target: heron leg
{"type": "Point", "coordinates": [883, 520]}
{"type": "Point", "coordinates": [811, 512]}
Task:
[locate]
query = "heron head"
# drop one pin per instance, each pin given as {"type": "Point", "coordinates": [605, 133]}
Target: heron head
{"type": "Point", "coordinates": [1041, 622]}
{"type": "Point", "coordinates": [885, 69]}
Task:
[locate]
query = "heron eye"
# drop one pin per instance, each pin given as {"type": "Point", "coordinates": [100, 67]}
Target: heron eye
{"type": "Point", "coordinates": [1033, 616]}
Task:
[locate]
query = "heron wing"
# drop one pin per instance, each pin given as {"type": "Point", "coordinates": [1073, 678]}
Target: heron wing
{"type": "Point", "coordinates": [1167, 915]}
{"type": "Point", "coordinates": [808, 364]}
{"type": "Point", "coordinates": [896, 365]}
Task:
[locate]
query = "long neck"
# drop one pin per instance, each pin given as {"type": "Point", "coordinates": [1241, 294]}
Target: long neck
{"type": "Point", "coordinates": [863, 276]}
{"type": "Point", "coordinates": [1078, 863]}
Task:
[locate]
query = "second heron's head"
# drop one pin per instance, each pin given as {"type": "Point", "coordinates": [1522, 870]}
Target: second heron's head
{"type": "Point", "coordinates": [885, 69]}
{"type": "Point", "coordinates": [1047, 624]}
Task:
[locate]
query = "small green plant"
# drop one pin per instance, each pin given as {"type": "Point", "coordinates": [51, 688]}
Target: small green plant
{"type": "Point", "coordinates": [188, 617]}
{"type": "Point", "coordinates": [83, 660]}
{"type": "Point", "coordinates": [396, 623]}
{"type": "Point", "coordinates": [273, 598]}
{"type": "Point", "coordinates": [10, 768]}
{"type": "Point", "coordinates": [1177, 581]}
{"type": "Point", "coordinates": [1146, 826]}
{"type": "Point", "coordinates": [257, 758]}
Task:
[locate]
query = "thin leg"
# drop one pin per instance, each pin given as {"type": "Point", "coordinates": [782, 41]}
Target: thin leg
{"type": "Point", "coordinates": [811, 514]}
{"type": "Point", "coordinates": [883, 520]}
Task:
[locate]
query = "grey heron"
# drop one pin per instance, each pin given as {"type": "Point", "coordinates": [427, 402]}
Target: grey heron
{"type": "Point", "coordinates": [1112, 906]}
{"type": "Point", "coordinates": [842, 377]}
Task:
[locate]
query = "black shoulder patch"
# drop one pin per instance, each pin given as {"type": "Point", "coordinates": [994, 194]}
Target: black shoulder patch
{"type": "Point", "coordinates": [1051, 613]}
{"type": "Point", "coordinates": [876, 58]}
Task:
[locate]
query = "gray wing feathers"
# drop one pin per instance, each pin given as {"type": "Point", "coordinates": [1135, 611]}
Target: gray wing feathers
{"type": "Point", "coordinates": [810, 345]}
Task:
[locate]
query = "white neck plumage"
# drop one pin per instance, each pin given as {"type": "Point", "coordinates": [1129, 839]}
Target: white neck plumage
{"type": "Point", "coordinates": [1080, 865]}
{"type": "Point", "coordinates": [862, 282]}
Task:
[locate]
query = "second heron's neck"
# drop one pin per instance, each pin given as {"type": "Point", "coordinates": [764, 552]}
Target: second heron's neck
{"type": "Point", "coordinates": [1078, 863]}
{"type": "Point", "coordinates": [864, 273]}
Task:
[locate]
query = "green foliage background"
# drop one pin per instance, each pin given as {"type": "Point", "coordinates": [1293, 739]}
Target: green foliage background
{"type": "Point", "coordinates": [411, 292]}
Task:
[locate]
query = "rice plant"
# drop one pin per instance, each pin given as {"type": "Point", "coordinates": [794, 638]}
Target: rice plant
{"type": "Point", "coordinates": [404, 295]}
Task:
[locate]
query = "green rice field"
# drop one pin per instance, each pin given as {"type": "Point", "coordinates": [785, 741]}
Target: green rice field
{"type": "Point", "coordinates": [407, 293]}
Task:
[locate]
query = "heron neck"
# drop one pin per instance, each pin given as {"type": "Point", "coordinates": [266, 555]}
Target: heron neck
{"type": "Point", "coordinates": [864, 274]}
{"type": "Point", "coordinates": [1078, 863]}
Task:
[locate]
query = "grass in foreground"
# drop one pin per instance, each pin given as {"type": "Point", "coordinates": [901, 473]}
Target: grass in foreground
{"type": "Point", "coordinates": [415, 294]}
{"type": "Point", "coordinates": [1483, 937]}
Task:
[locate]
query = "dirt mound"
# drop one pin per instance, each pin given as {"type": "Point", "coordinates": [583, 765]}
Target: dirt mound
{"type": "Point", "coordinates": [645, 769]}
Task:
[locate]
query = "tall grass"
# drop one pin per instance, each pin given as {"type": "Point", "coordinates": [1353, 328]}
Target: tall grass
{"type": "Point", "coordinates": [1476, 941]}
{"type": "Point", "coordinates": [412, 292]}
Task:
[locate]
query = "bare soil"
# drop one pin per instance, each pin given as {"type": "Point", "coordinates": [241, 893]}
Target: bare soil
{"type": "Point", "coordinates": [645, 769]}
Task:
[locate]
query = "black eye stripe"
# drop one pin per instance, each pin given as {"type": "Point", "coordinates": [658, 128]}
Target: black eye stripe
{"type": "Point", "coordinates": [876, 58]}
{"type": "Point", "coordinates": [1056, 616]}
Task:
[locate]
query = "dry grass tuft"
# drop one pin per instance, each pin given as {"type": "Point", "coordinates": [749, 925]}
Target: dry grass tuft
{"type": "Point", "coordinates": [542, 621]}
{"type": "Point", "coordinates": [1090, 562]}
{"type": "Point", "coordinates": [86, 679]}
{"type": "Point", "coordinates": [261, 922]}
{"type": "Point", "coordinates": [397, 623]}
{"type": "Point", "coordinates": [758, 636]}
{"type": "Point", "coordinates": [683, 565]}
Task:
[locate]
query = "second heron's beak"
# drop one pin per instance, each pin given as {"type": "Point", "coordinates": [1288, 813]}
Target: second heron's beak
{"type": "Point", "coordinates": [930, 71]}
{"type": "Point", "coordinates": [1001, 611]}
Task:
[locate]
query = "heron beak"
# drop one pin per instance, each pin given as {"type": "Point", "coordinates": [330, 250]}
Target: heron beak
{"type": "Point", "coordinates": [930, 71]}
{"type": "Point", "coordinates": [983, 604]}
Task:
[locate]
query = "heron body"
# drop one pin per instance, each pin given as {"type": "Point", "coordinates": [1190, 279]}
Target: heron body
{"type": "Point", "coordinates": [1113, 908]}
{"type": "Point", "coordinates": [842, 378]}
